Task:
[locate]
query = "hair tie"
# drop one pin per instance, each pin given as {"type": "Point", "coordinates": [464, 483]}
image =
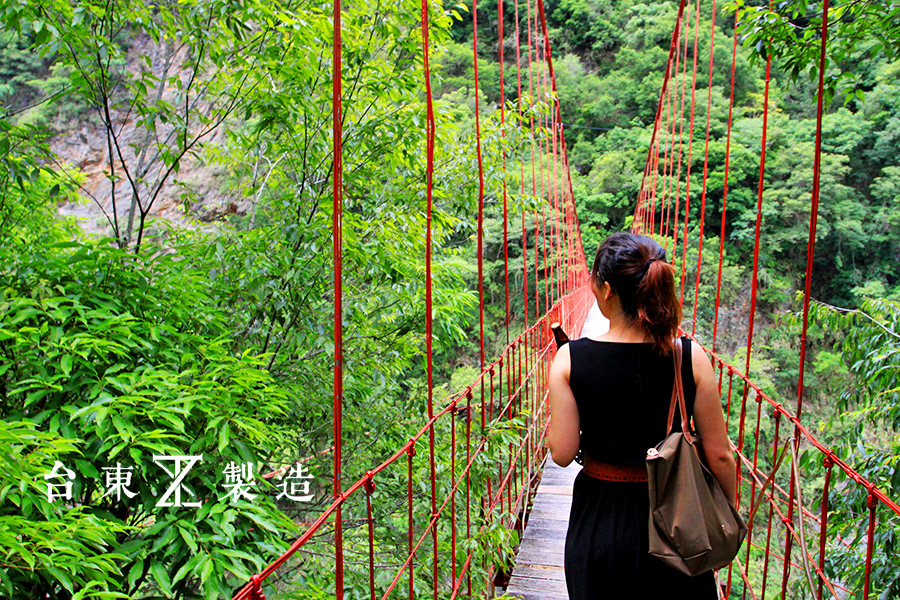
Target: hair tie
{"type": "Point", "coordinates": [650, 261]}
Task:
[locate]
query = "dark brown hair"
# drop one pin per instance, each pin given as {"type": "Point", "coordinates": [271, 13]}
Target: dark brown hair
{"type": "Point", "coordinates": [635, 267]}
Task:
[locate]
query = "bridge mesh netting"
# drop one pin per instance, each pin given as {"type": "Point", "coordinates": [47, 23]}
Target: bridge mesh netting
{"type": "Point", "coordinates": [494, 430]}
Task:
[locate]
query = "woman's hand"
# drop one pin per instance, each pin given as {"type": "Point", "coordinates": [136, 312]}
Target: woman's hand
{"type": "Point", "coordinates": [565, 425]}
{"type": "Point", "coordinates": [710, 423]}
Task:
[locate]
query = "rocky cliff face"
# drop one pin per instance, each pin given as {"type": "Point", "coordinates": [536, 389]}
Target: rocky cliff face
{"type": "Point", "coordinates": [197, 194]}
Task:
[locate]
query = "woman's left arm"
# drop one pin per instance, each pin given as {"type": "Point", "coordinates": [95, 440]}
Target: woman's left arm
{"type": "Point", "coordinates": [710, 423]}
{"type": "Point", "coordinates": [565, 426]}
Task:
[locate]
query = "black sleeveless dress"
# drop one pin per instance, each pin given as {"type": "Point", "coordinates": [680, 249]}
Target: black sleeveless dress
{"type": "Point", "coordinates": [622, 391]}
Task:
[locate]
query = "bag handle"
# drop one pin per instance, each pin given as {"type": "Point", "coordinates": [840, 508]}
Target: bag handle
{"type": "Point", "coordinates": [678, 393]}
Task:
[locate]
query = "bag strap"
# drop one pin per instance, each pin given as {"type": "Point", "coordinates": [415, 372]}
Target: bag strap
{"type": "Point", "coordinates": [678, 392]}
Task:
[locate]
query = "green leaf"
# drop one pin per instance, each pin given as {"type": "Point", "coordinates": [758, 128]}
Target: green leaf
{"type": "Point", "coordinates": [161, 576]}
{"type": "Point", "coordinates": [66, 364]}
{"type": "Point", "coordinates": [135, 572]}
{"type": "Point", "coordinates": [223, 437]}
{"type": "Point", "coordinates": [186, 569]}
{"type": "Point", "coordinates": [7, 583]}
{"type": "Point", "coordinates": [62, 577]}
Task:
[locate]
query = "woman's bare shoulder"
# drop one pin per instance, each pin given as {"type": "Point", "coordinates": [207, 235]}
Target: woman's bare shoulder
{"type": "Point", "coordinates": [563, 358]}
{"type": "Point", "coordinates": [700, 362]}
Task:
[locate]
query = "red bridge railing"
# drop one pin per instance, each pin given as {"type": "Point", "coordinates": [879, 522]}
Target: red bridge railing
{"type": "Point", "coordinates": [452, 493]}
{"type": "Point", "coordinates": [489, 441]}
{"type": "Point", "coordinates": [442, 506]}
{"type": "Point", "coordinates": [791, 546]}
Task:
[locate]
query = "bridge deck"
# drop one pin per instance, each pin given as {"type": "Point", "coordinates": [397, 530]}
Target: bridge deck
{"type": "Point", "coordinates": [539, 573]}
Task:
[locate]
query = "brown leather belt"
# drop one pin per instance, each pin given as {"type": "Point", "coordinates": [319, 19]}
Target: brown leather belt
{"type": "Point", "coordinates": [607, 472]}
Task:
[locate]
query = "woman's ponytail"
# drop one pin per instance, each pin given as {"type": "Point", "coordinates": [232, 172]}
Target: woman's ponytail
{"type": "Point", "coordinates": [657, 307]}
{"type": "Point", "coordinates": [635, 267]}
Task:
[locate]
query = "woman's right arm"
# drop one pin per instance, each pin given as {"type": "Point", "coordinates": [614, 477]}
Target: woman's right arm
{"type": "Point", "coordinates": [710, 423]}
{"type": "Point", "coordinates": [564, 435]}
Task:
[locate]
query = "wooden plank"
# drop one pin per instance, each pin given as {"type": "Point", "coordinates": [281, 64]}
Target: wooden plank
{"type": "Point", "coordinates": [553, 502]}
{"type": "Point", "coordinates": [545, 529]}
{"type": "Point", "coordinates": [545, 545]}
{"type": "Point", "coordinates": [554, 572]}
{"type": "Point", "coordinates": [536, 596]}
{"type": "Point", "coordinates": [539, 572]}
{"type": "Point", "coordinates": [548, 586]}
{"type": "Point", "coordinates": [562, 490]}
{"type": "Point", "coordinates": [540, 557]}
{"type": "Point", "coordinates": [549, 514]}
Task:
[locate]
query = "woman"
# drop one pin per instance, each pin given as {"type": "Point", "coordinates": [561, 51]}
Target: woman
{"type": "Point", "coordinates": [615, 390]}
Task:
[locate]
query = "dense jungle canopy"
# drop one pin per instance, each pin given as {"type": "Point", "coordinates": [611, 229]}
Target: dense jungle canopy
{"type": "Point", "coordinates": [166, 272]}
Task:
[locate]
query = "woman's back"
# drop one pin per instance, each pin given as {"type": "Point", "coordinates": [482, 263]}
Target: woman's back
{"type": "Point", "coordinates": [623, 391]}
{"type": "Point", "coordinates": [616, 393]}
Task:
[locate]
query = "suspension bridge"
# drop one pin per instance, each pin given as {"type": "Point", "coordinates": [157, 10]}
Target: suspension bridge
{"type": "Point", "coordinates": [491, 481]}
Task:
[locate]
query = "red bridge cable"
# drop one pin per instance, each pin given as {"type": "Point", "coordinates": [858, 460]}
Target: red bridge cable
{"type": "Point", "coordinates": [503, 157]}
{"type": "Point", "coordinates": [687, 182]}
{"type": "Point", "coordinates": [755, 272]}
{"type": "Point", "coordinates": [725, 183]}
{"type": "Point", "coordinates": [722, 229]}
{"type": "Point", "coordinates": [664, 200]}
{"type": "Point", "coordinates": [814, 210]}
{"type": "Point", "coordinates": [675, 229]}
{"type": "Point", "coordinates": [654, 172]}
{"type": "Point", "coordinates": [670, 144]}
{"type": "Point", "coordinates": [521, 167]}
{"type": "Point", "coordinates": [556, 116]}
{"type": "Point", "coordinates": [671, 106]}
{"type": "Point", "coordinates": [753, 294]}
{"type": "Point", "coordinates": [480, 244]}
{"type": "Point", "coordinates": [429, 303]}
{"type": "Point", "coordinates": [828, 463]}
{"type": "Point", "coordinates": [668, 73]}
{"type": "Point", "coordinates": [712, 46]}
{"type": "Point", "coordinates": [771, 512]}
{"type": "Point", "coordinates": [537, 294]}
{"type": "Point", "coordinates": [337, 239]}
{"type": "Point", "coordinates": [545, 188]}
{"type": "Point", "coordinates": [810, 253]}
{"type": "Point", "coordinates": [539, 76]}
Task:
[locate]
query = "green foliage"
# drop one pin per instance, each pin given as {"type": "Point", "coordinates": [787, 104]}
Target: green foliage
{"type": "Point", "coordinates": [869, 344]}
{"type": "Point", "coordinates": [587, 29]}
{"type": "Point", "coordinates": [790, 32]}
{"type": "Point", "coordinates": [216, 339]}
{"type": "Point", "coordinates": [29, 190]}
{"type": "Point", "coordinates": [125, 357]}
{"type": "Point", "coordinates": [45, 545]}
{"type": "Point", "coordinates": [173, 340]}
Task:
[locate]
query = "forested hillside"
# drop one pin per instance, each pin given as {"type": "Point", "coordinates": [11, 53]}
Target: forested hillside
{"type": "Point", "coordinates": [166, 284]}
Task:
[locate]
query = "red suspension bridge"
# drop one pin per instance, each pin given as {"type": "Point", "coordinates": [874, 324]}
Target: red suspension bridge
{"type": "Point", "coordinates": [490, 479]}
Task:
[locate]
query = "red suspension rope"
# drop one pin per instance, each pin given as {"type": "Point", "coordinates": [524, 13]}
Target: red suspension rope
{"type": "Point", "coordinates": [521, 167]}
{"type": "Point", "coordinates": [725, 184]}
{"type": "Point", "coordinates": [687, 184]}
{"type": "Point", "coordinates": [480, 246]}
{"type": "Point", "coordinates": [680, 137]}
{"type": "Point", "coordinates": [712, 39]}
{"type": "Point", "coordinates": [810, 253]}
{"type": "Point", "coordinates": [337, 240]}
{"type": "Point", "coordinates": [429, 318]}
{"type": "Point", "coordinates": [503, 155]}
{"type": "Point", "coordinates": [668, 73]}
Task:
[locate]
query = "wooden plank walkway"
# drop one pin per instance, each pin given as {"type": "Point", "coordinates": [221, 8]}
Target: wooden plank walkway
{"type": "Point", "coordinates": [539, 572]}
